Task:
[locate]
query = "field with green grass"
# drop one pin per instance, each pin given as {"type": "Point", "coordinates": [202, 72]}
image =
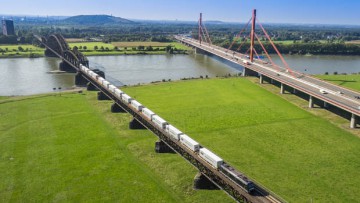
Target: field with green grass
{"type": "Point", "coordinates": [70, 148]}
{"type": "Point", "coordinates": [350, 81]}
{"type": "Point", "coordinates": [299, 156]}
{"type": "Point", "coordinates": [22, 50]}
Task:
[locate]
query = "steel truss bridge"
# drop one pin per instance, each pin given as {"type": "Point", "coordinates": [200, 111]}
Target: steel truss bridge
{"type": "Point", "coordinates": [72, 60]}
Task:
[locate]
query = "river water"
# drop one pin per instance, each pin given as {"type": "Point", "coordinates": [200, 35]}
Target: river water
{"type": "Point", "coordinates": [26, 76]}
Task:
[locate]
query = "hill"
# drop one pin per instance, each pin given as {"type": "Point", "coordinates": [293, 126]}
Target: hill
{"type": "Point", "coordinates": [96, 20]}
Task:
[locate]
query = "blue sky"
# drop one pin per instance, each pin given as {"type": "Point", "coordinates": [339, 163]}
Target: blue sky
{"type": "Point", "coordinates": [275, 11]}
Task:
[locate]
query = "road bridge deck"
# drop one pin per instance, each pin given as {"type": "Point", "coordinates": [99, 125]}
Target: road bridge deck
{"type": "Point", "coordinates": [343, 98]}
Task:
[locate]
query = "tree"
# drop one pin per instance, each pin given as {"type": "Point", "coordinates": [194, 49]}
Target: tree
{"type": "Point", "coordinates": [84, 47]}
{"type": "Point", "coordinates": [96, 48]}
{"type": "Point", "coordinates": [20, 49]}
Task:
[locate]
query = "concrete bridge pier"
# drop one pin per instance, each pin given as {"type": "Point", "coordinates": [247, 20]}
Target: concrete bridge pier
{"type": "Point", "coordinates": [201, 182]}
{"type": "Point", "coordinates": [353, 121]}
{"type": "Point", "coordinates": [64, 66]}
{"type": "Point", "coordinates": [199, 51]}
{"type": "Point", "coordinates": [115, 108]}
{"type": "Point", "coordinates": [161, 147]}
{"type": "Point", "coordinates": [294, 91]}
{"type": "Point", "coordinates": [282, 91]}
{"type": "Point", "coordinates": [80, 80]}
{"type": "Point", "coordinates": [90, 87]}
{"type": "Point", "coordinates": [326, 105]}
{"type": "Point", "coordinates": [136, 125]}
{"type": "Point", "coordinates": [102, 96]}
{"type": "Point", "coordinates": [311, 102]}
{"type": "Point", "coordinates": [261, 79]}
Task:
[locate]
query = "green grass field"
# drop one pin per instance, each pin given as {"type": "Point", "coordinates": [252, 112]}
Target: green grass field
{"type": "Point", "coordinates": [70, 148]}
{"type": "Point", "coordinates": [13, 51]}
{"type": "Point", "coordinates": [350, 81]}
{"type": "Point", "coordinates": [299, 156]}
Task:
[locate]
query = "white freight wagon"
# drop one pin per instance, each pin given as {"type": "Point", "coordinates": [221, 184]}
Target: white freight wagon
{"type": "Point", "coordinates": [112, 88]}
{"type": "Point", "coordinates": [190, 143]}
{"type": "Point", "coordinates": [147, 113]}
{"type": "Point", "coordinates": [105, 83]}
{"type": "Point", "coordinates": [126, 98]}
{"type": "Point", "coordinates": [161, 123]}
{"type": "Point", "coordinates": [100, 79]}
{"type": "Point", "coordinates": [118, 92]}
{"type": "Point", "coordinates": [173, 132]}
{"type": "Point", "coordinates": [210, 157]}
{"type": "Point", "coordinates": [136, 105]}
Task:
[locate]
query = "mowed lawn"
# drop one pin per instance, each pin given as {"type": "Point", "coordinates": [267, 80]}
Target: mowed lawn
{"type": "Point", "coordinates": [70, 148]}
{"type": "Point", "coordinates": [350, 81]}
{"type": "Point", "coordinates": [301, 157]}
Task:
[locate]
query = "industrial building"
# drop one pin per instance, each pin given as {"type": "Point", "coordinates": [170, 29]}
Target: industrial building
{"type": "Point", "coordinates": [8, 27]}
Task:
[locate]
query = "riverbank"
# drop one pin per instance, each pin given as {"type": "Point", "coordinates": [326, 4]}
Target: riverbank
{"type": "Point", "coordinates": [71, 148]}
{"type": "Point", "coordinates": [245, 131]}
{"type": "Point", "coordinates": [98, 49]}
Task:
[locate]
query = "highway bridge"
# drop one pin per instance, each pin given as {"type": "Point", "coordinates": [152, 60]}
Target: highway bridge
{"type": "Point", "coordinates": [74, 61]}
{"type": "Point", "coordinates": [330, 94]}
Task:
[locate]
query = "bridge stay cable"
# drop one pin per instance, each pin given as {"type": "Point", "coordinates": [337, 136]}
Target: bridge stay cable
{"type": "Point", "coordinates": [267, 54]}
{"type": "Point", "coordinates": [239, 35]}
{"type": "Point", "coordinates": [276, 49]}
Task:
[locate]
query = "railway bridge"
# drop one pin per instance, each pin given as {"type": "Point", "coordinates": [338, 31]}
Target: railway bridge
{"type": "Point", "coordinates": [340, 100]}
{"type": "Point", "coordinates": [208, 177]}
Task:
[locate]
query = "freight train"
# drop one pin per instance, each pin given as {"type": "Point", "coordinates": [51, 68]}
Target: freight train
{"type": "Point", "coordinates": [175, 134]}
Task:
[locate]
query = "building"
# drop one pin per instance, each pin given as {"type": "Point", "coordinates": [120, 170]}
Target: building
{"type": "Point", "coordinates": [8, 27]}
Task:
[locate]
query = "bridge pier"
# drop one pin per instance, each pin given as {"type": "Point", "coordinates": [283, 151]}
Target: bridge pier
{"type": "Point", "coordinates": [80, 80]}
{"type": "Point", "coordinates": [201, 182]}
{"type": "Point", "coordinates": [161, 147]}
{"type": "Point", "coordinates": [115, 108]}
{"type": "Point", "coordinates": [91, 87]}
{"type": "Point", "coordinates": [326, 105]}
{"type": "Point", "coordinates": [311, 102]}
{"type": "Point", "coordinates": [353, 121]}
{"type": "Point", "coordinates": [261, 79]}
{"type": "Point", "coordinates": [294, 91]}
{"type": "Point", "coordinates": [102, 96]}
{"type": "Point", "coordinates": [136, 125]}
{"type": "Point", "coordinates": [199, 51]}
{"type": "Point", "coordinates": [64, 66]}
{"type": "Point", "coordinates": [282, 90]}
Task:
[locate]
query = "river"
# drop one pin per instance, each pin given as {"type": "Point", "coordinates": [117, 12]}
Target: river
{"type": "Point", "coordinates": [24, 76]}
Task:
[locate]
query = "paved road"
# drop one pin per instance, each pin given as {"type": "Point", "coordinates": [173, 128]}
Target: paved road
{"type": "Point", "coordinates": [341, 97]}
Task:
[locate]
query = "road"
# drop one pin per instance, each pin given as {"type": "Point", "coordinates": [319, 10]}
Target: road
{"type": "Point", "coordinates": [340, 97]}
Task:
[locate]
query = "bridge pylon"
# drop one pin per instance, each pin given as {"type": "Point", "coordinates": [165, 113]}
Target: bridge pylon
{"type": "Point", "coordinates": [252, 36]}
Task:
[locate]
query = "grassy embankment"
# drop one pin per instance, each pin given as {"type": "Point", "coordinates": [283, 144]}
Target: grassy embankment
{"type": "Point", "coordinates": [26, 50]}
{"type": "Point", "coordinates": [70, 148]}
{"type": "Point", "coordinates": [350, 81]}
{"type": "Point", "coordinates": [13, 51]}
{"type": "Point", "coordinates": [298, 155]}
{"type": "Point", "coordinates": [126, 48]}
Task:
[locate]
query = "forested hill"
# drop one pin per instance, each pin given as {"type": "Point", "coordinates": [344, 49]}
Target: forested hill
{"type": "Point", "coordinates": [96, 20]}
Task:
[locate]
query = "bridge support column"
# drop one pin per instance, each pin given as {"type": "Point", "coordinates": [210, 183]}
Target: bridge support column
{"type": "Point", "coordinates": [294, 91]}
{"type": "Point", "coordinates": [63, 66]}
{"type": "Point", "coordinates": [201, 182]}
{"type": "Point", "coordinates": [326, 105]}
{"type": "Point", "coordinates": [102, 96]}
{"type": "Point", "coordinates": [136, 125]}
{"type": "Point", "coordinates": [80, 80]}
{"type": "Point", "coordinates": [161, 147]}
{"type": "Point", "coordinates": [198, 51]}
{"type": "Point", "coordinates": [282, 88]}
{"type": "Point", "coordinates": [90, 87]}
{"type": "Point", "coordinates": [353, 121]}
{"type": "Point", "coordinates": [261, 79]}
{"type": "Point", "coordinates": [115, 108]}
{"type": "Point", "coordinates": [243, 72]}
{"type": "Point", "coordinates": [311, 102]}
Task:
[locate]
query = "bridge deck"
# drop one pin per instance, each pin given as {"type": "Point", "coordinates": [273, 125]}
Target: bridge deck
{"type": "Point", "coordinates": [335, 95]}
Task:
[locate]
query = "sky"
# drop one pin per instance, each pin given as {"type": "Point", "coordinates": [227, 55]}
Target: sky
{"type": "Point", "coordinates": [268, 11]}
